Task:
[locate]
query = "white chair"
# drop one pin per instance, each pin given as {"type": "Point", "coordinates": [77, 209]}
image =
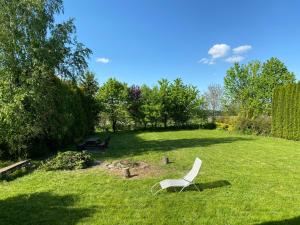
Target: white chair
{"type": "Point", "coordinates": [186, 181]}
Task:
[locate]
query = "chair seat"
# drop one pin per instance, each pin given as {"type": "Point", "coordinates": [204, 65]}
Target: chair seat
{"type": "Point", "coordinates": [174, 183]}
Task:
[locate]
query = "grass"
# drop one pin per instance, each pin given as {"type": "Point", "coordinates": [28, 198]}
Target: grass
{"type": "Point", "coordinates": [244, 180]}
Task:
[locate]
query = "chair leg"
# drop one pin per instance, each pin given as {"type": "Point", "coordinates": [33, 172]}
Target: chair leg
{"type": "Point", "coordinates": [196, 187]}
{"type": "Point", "coordinates": [151, 190]}
{"type": "Point", "coordinates": [182, 189]}
{"type": "Point", "coordinates": [157, 191]}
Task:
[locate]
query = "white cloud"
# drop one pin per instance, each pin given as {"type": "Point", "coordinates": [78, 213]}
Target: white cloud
{"type": "Point", "coordinates": [103, 60]}
{"type": "Point", "coordinates": [235, 59]}
{"type": "Point", "coordinates": [242, 49]}
{"type": "Point", "coordinates": [207, 61]}
{"type": "Point", "coordinates": [219, 50]}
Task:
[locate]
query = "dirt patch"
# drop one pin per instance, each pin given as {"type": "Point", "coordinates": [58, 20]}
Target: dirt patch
{"type": "Point", "coordinates": [138, 169]}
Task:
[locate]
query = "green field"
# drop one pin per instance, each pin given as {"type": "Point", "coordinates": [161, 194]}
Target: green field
{"type": "Point", "coordinates": [244, 180]}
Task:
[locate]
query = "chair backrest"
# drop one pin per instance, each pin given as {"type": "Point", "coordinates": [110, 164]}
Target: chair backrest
{"type": "Point", "coordinates": [194, 171]}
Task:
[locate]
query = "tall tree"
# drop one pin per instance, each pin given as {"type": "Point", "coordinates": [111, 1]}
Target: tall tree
{"type": "Point", "coordinates": [112, 97]}
{"type": "Point", "coordinates": [165, 100]}
{"type": "Point", "coordinates": [33, 49]}
{"type": "Point", "coordinates": [274, 74]}
{"type": "Point", "coordinates": [184, 101]}
{"type": "Point", "coordinates": [213, 98]}
{"type": "Point", "coordinates": [151, 106]}
{"type": "Point", "coordinates": [135, 103]}
{"type": "Point", "coordinates": [90, 86]}
{"type": "Point", "coordinates": [250, 86]}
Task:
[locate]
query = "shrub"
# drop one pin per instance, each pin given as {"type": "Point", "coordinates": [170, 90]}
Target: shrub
{"type": "Point", "coordinates": [225, 126]}
{"type": "Point", "coordinates": [257, 126]}
{"type": "Point", "coordinates": [226, 122]}
{"type": "Point", "coordinates": [68, 161]}
{"type": "Point", "coordinates": [286, 112]}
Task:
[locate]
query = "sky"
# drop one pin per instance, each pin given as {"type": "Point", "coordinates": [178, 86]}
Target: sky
{"type": "Point", "coordinates": [142, 41]}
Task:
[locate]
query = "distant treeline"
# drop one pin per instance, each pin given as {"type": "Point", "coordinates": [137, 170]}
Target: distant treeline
{"type": "Point", "coordinates": [166, 104]}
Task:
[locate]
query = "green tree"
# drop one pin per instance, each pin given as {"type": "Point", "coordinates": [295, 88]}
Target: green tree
{"type": "Point", "coordinates": [165, 100]}
{"type": "Point", "coordinates": [112, 97]}
{"type": "Point", "coordinates": [274, 74]}
{"type": "Point", "coordinates": [184, 102]}
{"type": "Point", "coordinates": [90, 86]}
{"type": "Point", "coordinates": [135, 103]}
{"type": "Point", "coordinates": [151, 106]}
{"type": "Point", "coordinates": [33, 49]}
{"type": "Point", "coordinates": [250, 86]}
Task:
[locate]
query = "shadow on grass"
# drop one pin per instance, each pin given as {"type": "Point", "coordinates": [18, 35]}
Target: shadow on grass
{"type": "Point", "coordinates": [292, 221]}
{"type": "Point", "coordinates": [204, 186]}
{"type": "Point", "coordinates": [128, 144]}
{"type": "Point", "coordinates": [41, 208]}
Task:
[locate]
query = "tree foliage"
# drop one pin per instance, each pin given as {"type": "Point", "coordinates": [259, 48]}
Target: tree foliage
{"type": "Point", "coordinates": [184, 101]}
{"type": "Point", "coordinates": [166, 103]}
{"type": "Point", "coordinates": [286, 112]}
{"type": "Point", "coordinates": [89, 87]}
{"type": "Point", "coordinates": [112, 98]}
{"type": "Point", "coordinates": [250, 86]}
{"type": "Point", "coordinates": [34, 51]}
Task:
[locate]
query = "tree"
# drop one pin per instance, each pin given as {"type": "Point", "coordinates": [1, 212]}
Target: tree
{"type": "Point", "coordinates": [151, 106]}
{"type": "Point", "coordinates": [274, 74]}
{"type": "Point", "coordinates": [164, 97]}
{"type": "Point", "coordinates": [33, 51]}
{"type": "Point", "coordinates": [213, 98]}
{"type": "Point", "coordinates": [30, 38]}
{"type": "Point", "coordinates": [135, 103]}
{"type": "Point", "coordinates": [250, 86]}
{"type": "Point", "coordinates": [90, 86]}
{"type": "Point", "coordinates": [184, 102]}
{"type": "Point", "coordinates": [112, 98]}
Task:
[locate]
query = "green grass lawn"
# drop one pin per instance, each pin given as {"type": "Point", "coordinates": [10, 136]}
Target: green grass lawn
{"type": "Point", "coordinates": [244, 180]}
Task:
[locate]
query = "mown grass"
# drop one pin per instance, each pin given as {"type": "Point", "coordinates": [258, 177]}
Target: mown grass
{"type": "Point", "coordinates": [244, 180]}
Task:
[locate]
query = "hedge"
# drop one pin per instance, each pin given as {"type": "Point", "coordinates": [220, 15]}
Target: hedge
{"type": "Point", "coordinates": [286, 112]}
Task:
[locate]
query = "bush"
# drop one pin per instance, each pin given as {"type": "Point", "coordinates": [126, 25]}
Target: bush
{"type": "Point", "coordinates": [286, 112]}
{"type": "Point", "coordinates": [225, 126]}
{"type": "Point", "coordinates": [68, 161]}
{"type": "Point", "coordinates": [257, 126]}
{"type": "Point", "coordinates": [226, 122]}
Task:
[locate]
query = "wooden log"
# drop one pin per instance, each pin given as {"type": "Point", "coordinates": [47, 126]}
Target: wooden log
{"type": "Point", "coordinates": [126, 172]}
{"type": "Point", "coordinates": [165, 160]}
{"type": "Point", "coordinates": [13, 167]}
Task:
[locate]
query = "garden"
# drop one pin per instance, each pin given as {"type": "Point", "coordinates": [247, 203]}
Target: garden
{"type": "Point", "coordinates": [243, 180]}
{"type": "Point", "coordinates": [74, 150]}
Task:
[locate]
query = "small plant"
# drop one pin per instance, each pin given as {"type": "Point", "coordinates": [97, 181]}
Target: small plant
{"type": "Point", "coordinates": [68, 161]}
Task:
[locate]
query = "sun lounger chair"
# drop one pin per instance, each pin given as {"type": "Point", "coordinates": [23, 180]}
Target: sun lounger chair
{"type": "Point", "coordinates": [186, 181]}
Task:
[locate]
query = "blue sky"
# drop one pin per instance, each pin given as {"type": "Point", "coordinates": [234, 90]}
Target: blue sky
{"type": "Point", "coordinates": [142, 41]}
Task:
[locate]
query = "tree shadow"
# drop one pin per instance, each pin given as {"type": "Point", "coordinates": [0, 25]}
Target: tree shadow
{"type": "Point", "coordinates": [203, 186]}
{"type": "Point", "coordinates": [41, 208]}
{"type": "Point", "coordinates": [129, 144]}
{"type": "Point", "coordinates": [291, 221]}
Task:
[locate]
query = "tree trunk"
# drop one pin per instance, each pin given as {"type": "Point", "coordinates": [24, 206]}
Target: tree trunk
{"type": "Point", "coordinates": [126, 172]}
{"type": "Point", "coordinates": [165, 121]}
{"type": "Point", "coordinates": [165, 160]}
{"type": "Point", "coordinates": [114, 126]}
